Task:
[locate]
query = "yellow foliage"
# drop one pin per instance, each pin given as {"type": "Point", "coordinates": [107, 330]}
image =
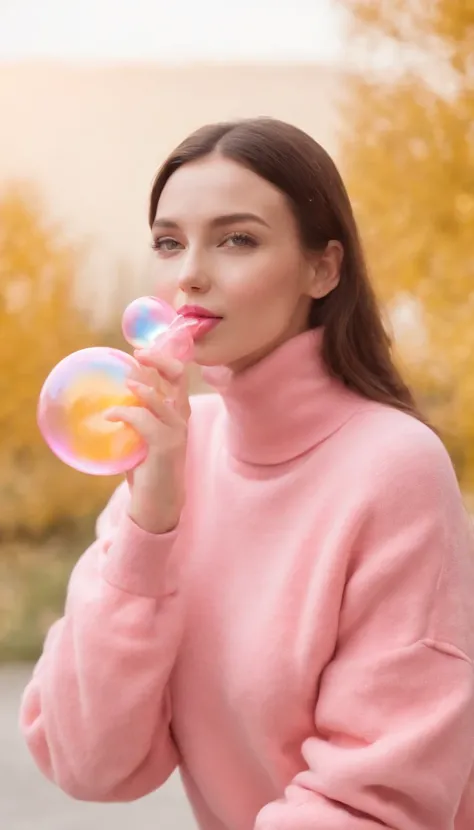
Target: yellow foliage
{"type": "Point", "coordinates": [39, 325]}
{"type": "Point", "coordinates": [408, 153]}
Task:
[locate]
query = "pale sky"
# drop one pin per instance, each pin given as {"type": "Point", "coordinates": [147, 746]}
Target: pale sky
{"type": "Point", "coordinates": [172, 30]}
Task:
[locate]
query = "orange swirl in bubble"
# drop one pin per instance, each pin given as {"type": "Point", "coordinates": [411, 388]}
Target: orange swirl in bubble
{"type": "Point", "coordinates": [90, 434]}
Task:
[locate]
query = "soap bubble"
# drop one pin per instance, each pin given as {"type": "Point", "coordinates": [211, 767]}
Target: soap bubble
{"type": "Point", "coordinates": [145, 319]}
{"type": "Point", "coordinates": [83, 386]}
{"type": "Point", "coordinates": [72, 407]}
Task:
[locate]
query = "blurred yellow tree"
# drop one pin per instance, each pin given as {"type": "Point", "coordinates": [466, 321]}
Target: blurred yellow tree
{"type": "Point", "coordinates": [408, 154]}
{"type": "Point", "coordinates": [39, 325]}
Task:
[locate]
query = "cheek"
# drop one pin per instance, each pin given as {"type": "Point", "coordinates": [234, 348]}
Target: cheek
{"type": "Point", "coordinates": [167, 292]}
{"type": "Point", "coordinates": [269, 280]}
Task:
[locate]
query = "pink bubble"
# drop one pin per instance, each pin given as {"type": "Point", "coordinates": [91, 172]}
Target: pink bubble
{"type": "Point", "coordinates": [83, 386]}
{"type": "Point", "coordinates": [145, 319]}
{"type": "Point", "coordinates": [72, 406]}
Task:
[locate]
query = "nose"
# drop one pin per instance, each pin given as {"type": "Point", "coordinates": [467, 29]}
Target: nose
{"type": "Point", "coordinates": [194, 276]}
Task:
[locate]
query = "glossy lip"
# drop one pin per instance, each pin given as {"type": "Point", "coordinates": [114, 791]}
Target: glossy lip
{"type": "Point", "coordinates": [205, 325]}
{"type": "Point", "coordinates": [198, 311]}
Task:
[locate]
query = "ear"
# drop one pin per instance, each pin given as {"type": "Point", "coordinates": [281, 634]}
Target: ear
{"type": "Point", "coordinates": [326, 269]}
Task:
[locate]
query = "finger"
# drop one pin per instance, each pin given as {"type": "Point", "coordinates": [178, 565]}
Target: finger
{"type": "Point", "coordinates": [182, 397]}
{"type": "Point", "coordinates": [174, 376]}
{"type": "Point", "coordinates": [140, 418]}
{"type": "Point", "coordinates": [155, 402]}
{"type": "Point", "coordinates": [170, 368]}
{"type": "Point", "coordinates": [150, 377]}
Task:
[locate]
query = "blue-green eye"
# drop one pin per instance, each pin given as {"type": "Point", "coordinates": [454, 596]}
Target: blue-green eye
{"type": "Point", "coordinates": [165, 243]}
{"type": "Point", "coordinates": [240, 240]}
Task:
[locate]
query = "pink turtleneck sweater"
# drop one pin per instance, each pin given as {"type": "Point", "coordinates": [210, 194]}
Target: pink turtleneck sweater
{"type": "Point", "coordinates": [301, 645]}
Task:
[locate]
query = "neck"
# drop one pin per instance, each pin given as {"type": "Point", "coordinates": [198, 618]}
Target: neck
{"type": "Point", "coordinates": [284, 405]}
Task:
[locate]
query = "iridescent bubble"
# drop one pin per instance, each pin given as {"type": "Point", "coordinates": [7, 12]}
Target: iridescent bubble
{"type": "Point", "coordinates": [145, 319]}
{"type": "Point", "coordinates": [83, 386]}
{"type": "Point", "coordinates": [72, 406]}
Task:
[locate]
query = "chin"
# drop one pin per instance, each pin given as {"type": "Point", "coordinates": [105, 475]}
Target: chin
{"type": "Point", "coordinates": [208, 353]}
{"type": "Point", "coordinates": [209, 357]}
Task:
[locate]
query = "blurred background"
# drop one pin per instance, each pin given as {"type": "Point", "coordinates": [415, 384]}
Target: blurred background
{"type": "Point", "coordinates": [92, 98]}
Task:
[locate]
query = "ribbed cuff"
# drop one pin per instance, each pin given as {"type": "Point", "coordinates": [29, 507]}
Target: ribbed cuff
{"type": "Point", "coordinates": [141, 563]}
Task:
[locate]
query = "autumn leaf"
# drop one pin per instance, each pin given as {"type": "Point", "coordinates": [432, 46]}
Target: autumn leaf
{"type": "Point", "coordinates": [39, 325]}
{"type": "Point", "coordinates": [408, 160]}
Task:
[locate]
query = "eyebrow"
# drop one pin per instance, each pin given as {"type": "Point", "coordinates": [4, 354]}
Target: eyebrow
{"type": "Point", "coordinates": [218, 222]}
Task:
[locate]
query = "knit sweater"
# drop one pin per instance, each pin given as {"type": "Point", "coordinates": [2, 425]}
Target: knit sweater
{"type": "Point", "coordinates": [301, 645]}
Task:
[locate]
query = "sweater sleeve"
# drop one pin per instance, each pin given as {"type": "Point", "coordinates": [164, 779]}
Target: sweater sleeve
{"type": "Point", "coordinates": [393, 744]}
{"type": "Point", "coordinates": [96, 712]}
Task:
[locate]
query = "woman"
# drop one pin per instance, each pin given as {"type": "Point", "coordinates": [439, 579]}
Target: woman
{"type": "Point", "coordinates": [279, 599]}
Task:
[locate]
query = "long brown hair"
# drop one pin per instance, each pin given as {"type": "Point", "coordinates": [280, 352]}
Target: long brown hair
{"type": "Point", "coordinates": [356, 346]}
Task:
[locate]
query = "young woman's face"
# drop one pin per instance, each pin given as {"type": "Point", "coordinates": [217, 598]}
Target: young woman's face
{"type": "Point", "coordinates": [226, 241]}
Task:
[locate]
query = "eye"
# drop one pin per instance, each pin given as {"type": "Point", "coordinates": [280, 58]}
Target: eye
{"type": "Point", "coordinates": [165, 243]}
{"type": "Point", "coordinates": [240, 240]}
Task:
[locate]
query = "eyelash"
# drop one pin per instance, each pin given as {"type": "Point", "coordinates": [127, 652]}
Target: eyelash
{"type": "Point", "coordinates": [157, 243]}
{"type": "Point", "coordinates": [243, 240]}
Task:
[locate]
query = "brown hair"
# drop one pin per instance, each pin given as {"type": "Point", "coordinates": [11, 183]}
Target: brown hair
{"type": "Point", "coordinates": [356, 346]}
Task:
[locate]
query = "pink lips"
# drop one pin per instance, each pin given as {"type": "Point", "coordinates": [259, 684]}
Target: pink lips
{"type": "Point", "coordinates": [197, 311]}
{"type": "Point", "coordinates": [205, 320]}
{"type": "Point", "coordinates": [204, 325]}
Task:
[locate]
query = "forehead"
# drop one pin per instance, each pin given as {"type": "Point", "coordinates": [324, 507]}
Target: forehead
{"type": "Point", "coordinates": [216, 185]}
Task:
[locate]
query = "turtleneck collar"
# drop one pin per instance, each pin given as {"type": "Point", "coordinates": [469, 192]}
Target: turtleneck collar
{"type": "Point", "coordinates": [285, 404]}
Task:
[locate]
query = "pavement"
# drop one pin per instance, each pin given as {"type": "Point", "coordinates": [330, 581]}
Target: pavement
{"type": "Point", "coordinates": [29, 802]}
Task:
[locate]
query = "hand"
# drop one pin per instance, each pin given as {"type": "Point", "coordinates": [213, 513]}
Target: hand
{"type": "Point", "coordinates": [157, 485]}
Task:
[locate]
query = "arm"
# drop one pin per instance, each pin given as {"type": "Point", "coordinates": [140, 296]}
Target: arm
{"type": "Point", "coordinates": [96, 713]}
{"type": "Point", "coordinates": [393, 744]}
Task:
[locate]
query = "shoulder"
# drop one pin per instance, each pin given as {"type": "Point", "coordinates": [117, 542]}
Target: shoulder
{"type": "Point", "coordinates": [399, 471]}
{"type": "Point", "coordinates": [395, 448]}
{"type": "Point", "coordinates": [404, 483]}
{"type": "Point", "coordinates": [414, 531]}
